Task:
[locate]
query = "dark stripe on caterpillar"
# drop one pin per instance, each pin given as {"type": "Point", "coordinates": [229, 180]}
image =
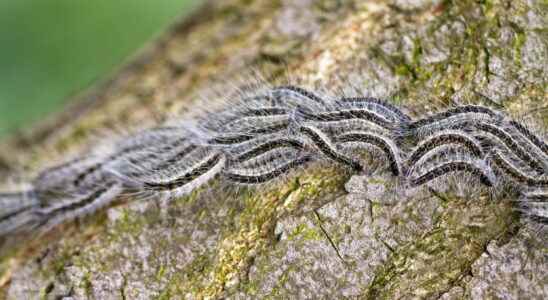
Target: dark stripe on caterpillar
{"type": "Point", "coordinates": [242, 137]}
{"type": "Point", "coordinates": [267, 146]}
{"type": "Point", "coordinates": [175, 158]}
{"type": "Point", "coordinates": [277, 92]}
{"type": "Point", "coordinates": [507, 139]}
{"type": "Point", "coordinates": [265, 111]}
{"type": "Point", "coordinates": [78, 203]}
{"type": "Point", "coordinates": [323, 143]}
{"type": "Point", "coordinates": [530, 136]}
{"type": "Point", "coordinates": [266, 176]}
{"type": "Point", "coordinates": [203, 167]}
{"type": "Point", "coordinates": [511, 170]}
{"type": "Point", "coordinates": [449, 137]}
{"type": "Point", "coordinates": [451, 167]}
{"type": "Point", "coordinates": [379, 141]}
{"type": "Point", "coordinates": [17, 199]}
{"type": "Point", "coordinates": [127, 150]}
{"type": "Point", "coordinates": [339, 115]}
{"type": "Point", "coordinates": [395, 111]}
{"type": "Point", "coordinates": [453, 112]}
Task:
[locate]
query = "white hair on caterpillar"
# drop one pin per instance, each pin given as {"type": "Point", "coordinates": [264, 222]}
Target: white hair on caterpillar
{"type": "Point", "coordinates": [256, 132]}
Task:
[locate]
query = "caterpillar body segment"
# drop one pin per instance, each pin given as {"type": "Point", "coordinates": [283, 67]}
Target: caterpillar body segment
{"type": "Point", "coordinates": [285, 92]}
{"type": "Point", "coordinates": [203, 167]}
{"type": "Point", "coordinates": [267, 146]}
{"type": "Point", "coordinates": [453, 119]}
{"type": "Point", "coordinates": [387, 146]}
{"type": "Point", "coordinates": [534, 210]}
{"type": "Point", "coordinates": [345, 114]}
{"type": "Point", "coordinates": [251, 124]}
{"type": "Point", "coordinates": [77, 206]}
{"type": "Point", "coordinates": [16, 211]}
{"type": "Point", "coordinates": [509, 169]}
{"type": "Point", "coordinates": [179, 178]}
{"type": "Point", "coordinates": [536, 194]}
{"type": "Point", "coordinates": [456, 112]}
{"type": "Point", "coordinates": [74, 201]}
{"type": "Point", "coordinates": [508, 141]}
{"type": "Point", "coordinates": [446, 137]}
{"type": "Point", "coordinates": [384, 108]}
{"type": "Point", "coordinates": [442, 152]}
{"type": "Point", "coordinates": [528, 134]}
{"type": "Point", "coordinates": [61, 179]}
{"type": "Point", "coordinates": [261, 177]}
{"type": "Point", "coordinates": [476, 168]}
{"type": "Point", "coordinates": [240, 137]}
{"type": "Point", "coordinates": [267, 161]}
{"type": "Point", "coordinates": [322, 142]}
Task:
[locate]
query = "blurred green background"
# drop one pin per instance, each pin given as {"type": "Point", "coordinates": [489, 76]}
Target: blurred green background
{"type": "Point", "coordinates": [51, 49]}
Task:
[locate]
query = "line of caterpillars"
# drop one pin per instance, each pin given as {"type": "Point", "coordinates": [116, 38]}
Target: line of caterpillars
{"type": "Point", "coordinates": [265, 136]}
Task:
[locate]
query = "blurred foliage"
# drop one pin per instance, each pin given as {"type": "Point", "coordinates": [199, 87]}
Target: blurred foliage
{"type": "Point", "coordinates": [50, 49]}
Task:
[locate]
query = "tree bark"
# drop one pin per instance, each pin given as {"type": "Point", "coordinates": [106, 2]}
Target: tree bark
{"type": "Point", "coordinates": [321, 233]}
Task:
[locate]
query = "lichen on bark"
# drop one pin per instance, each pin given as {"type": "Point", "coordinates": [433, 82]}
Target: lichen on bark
{"type": "Point", "coordinates": [320, 232]}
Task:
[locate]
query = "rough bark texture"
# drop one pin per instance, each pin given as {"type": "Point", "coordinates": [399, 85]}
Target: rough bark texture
{"type": "Point", "coordinates": [321, 233]}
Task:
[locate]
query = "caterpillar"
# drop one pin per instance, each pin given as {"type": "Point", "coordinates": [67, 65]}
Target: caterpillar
{"type": "Point", "coordinates": [346, 114]}
{"type": "Point", "coordinates": [387, 146]}
{"type": "Point", "coordinates": [265, 136]}
{"type": "Point", "coordinates": [533, 204]}
{"type": "Point", "coordinates": [235, 138]}
{"type": "Point", "coordinates": [511, 144]}
{"type": "Point", "coordinates": [15, 210]}
{"type": "Point", "coordinates": [180, 178]}
{"type": "Point", "coordinates": [511, 170]}
{"type": "Point", "coordinates": [443, 138]}
{"type": "Point", "coordinates": [474, 167]}
{"type": "Point", "coordinates": [283, 93]}
{"type": "Point", "coordinates": [78, 206]}
{"type": "Point", "coordinates": [267, 146]}
{"type": "Point", "coordinates": [239, 176]}
{"type": "Point", "coordinates": [454, 112]}
{"type": "Point", "coordinates": [540, 144]}
{"type": "Point", "coordinates": [326, 146]}
{"type": "Point", "coordinates": [383, 107]}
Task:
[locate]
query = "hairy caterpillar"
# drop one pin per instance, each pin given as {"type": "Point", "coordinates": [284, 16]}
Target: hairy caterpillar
{"type": "Point", "coordinates": [235, 138]}
{"type": "Point", "coordinates": [387, 146]}
{"type": "Point", "coordinates": [543, 146]}
{"type": "Point", "coordinates": [80, 205]}
{"type": "Point", "coordinates": [346, 114]}
{"type": "Point", "coordinates": [266, 136]}
{"type": "Point", "coordinates": [326, 146]}
{"type": "Point", "coordinates": [455, 112]}
{"type": "Point", "coordinates": [260, 177]}
{"type": "Point", "coordinates": [474, 167]}
{"type": "Point", "coordinates": [383, 107]}
{"type": "Point", "coordinates": [533, 203]}
{"type": "Point", "coordinates": [510, 169]}
{"type": "Point", "coordinates": [284, 93]}
{"type": "Point", "coordinates": [267, 146]}
{"type": "Point", "coordinates": [511, 144]}
{"type": "Point", "coordinates": [15, 207]}
{"type": "Point", "coordinates": [443, 138]}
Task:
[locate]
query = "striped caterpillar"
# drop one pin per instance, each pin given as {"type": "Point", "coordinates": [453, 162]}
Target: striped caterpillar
{"type": "Point", "coordinates": [267, 135]}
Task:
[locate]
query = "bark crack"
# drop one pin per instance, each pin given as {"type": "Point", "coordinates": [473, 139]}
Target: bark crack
{"type": "Point", "coordinates": [329, 239]}
{"type": "Point", "coordinates": [123, 287]}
